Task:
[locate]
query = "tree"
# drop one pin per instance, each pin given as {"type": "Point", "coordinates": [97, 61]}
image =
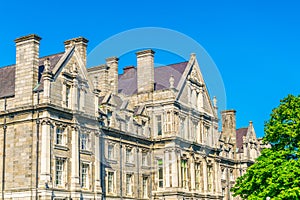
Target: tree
{"type": "Point", "coordinates": [276, 172]}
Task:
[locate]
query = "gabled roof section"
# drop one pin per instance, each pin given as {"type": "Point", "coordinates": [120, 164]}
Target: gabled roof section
{"type": "Point", "coordinates": [193, 72]}
{"type": "Point", "coordinates": [7, 81]}
{"type": "Point", "coordinates": [240, 133]}
{"type": "Point", "coordinates": [128, 80]}
{"type": "Point", "coordinates": [7, 75]}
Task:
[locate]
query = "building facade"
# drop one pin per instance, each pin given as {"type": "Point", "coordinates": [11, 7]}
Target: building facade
{"type": "Point", "coordinates": [71, 132]}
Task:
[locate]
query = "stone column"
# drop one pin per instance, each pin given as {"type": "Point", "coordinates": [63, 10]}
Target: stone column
{"type": "Point", "coordinates": [192, 171]}
{"type": "Point", "coordinates": [97, 163]}
{"type": "Point", "coordinates": [179, 170]}
{"type": "Point", "coordinates": [218, 177]}
{"type": "Point", "coordinates": [64, 90]}
{"type": "Point", "coordinates": [174, 169]}
{"type": "Point", "coordinates": [75, 158]}
{"type": "Point", "coordinates": [205, 176]}
{"type": "Point", "coordinates": [166, 166]}
{"type": "Point", "coordinates": [189, 93]}
{"type": "Point", "coordinates": [82, 99]}
{"type": "Point", "coordinates": [47, 76]}
{"type": "Point", "coordinates": [75, 95]}
{"type": "Point", "coordinates": [200, 98]}
{"type": "Point", "coordinates": [45, 154]}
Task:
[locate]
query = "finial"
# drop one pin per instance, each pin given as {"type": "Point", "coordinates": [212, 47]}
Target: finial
{"type": "Point", "coordinates": [215, 101]}
{"type": "Point", "coordinates": [47, 64]}
{"type": "Point", "coordinates": [171, 81]}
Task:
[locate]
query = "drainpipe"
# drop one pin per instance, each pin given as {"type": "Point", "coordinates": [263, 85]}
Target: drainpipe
{"type": "Point", "coordinates": [37, 148]}
{"type": "Point", "coordinates": [4, 144]}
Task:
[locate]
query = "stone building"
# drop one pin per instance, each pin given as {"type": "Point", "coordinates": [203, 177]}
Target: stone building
{"type": "Point", "coordinates": [68, 132]}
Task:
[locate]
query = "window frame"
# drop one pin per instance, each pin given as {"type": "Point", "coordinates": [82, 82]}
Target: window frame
{"type": "Point", "coordinates": [160, 174]}
{"type": "Point", "coordinates": [84, 183]}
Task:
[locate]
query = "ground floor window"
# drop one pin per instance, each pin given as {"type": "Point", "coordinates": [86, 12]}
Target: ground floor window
{"type": "Point", "coordinates": [145, 187]}
{"type": "Point", "coordinates": [59, 171]}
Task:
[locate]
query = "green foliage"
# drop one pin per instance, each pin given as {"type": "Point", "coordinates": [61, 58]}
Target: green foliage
{"type": "Point", "coordinates": [276, 173]}
{"type": "Point", "coordinates": [283, 128]}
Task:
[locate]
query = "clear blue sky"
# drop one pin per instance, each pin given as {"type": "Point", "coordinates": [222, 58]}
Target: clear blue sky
{"type": "Point", "coordinates": [254, 44]}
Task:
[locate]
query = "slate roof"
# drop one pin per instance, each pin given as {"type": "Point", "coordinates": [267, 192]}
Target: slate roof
{"type": "Point", "coordinates": [128, 80]}
{"type": "Point", "coordinates": [7, 81]}
{"type": "Point", "coordinates": [240, 133]}
{"type": "Point", "coordinates": [7, 75]}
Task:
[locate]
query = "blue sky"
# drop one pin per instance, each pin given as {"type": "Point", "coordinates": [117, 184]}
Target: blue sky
{"type": "Point", "coordinates": [255, 44]}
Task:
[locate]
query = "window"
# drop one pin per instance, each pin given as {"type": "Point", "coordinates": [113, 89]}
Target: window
{"type": "Point", "coordinates": [223, 193]}
{"type": "Point", "coordinates": [109, 115]}
{"type": "Point", "coordinates": [129, 184]}
{"type": "Point", "coordinates": [223, 170]}
{"type": "Point", "coordinates": [231, 175]}
{"type": "Point", "coordinates": [145, 187]}
{"type": "Point", "coordinates": [84, 175]}
{"type": "Point", "coordinates": [184, 174]}
{"type": "Point", "coordinates": [144, 159]}
{"type": "Point", "coordinates": [197, 175]}
{"type": "Point", "coordinates": [110, 152]}
{"type": "Point", "coordinates": [169, 122]}
{"type": "Point", "coordinates": [59, 135]}
{"type": "Point", "coordinates": [83, 141]}
{"type": "Point", "coordinates": [110, 182]}
{"type": "Point", "coordinates": [209, 177]}
{"type": "Point", "coordinates": [68, 91]}
{"type": "Point", "coordinates": [158, 123]}
{"type": "Point", "coordinates": [194, 132]}
{"type": "Point", "coordinates": [160, 173]}
{"type": "Point", "coordinates": [129, 156]}
{"type": "Point", "coordinates": [59, 171]}
{"type": "Point", "coordinates": [182, 127]}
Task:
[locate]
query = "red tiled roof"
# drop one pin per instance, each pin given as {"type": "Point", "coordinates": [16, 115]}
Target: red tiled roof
{"type": "Point", "coordinates": [240, 133]}
{"type": "Point", "coordinates": [128, 80]}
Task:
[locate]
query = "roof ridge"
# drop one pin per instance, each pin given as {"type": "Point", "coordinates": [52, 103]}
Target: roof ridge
{"type": "Point", "coordinates": [12, 65]}
{"type": "Point", "coordinates": [55, 54]}
{"type": "Point", "coordinates": [172, 64]}
{"type": "Point", "coordinates": [6, 66]}
{"type": "Point", "coordinates": [242, 128]}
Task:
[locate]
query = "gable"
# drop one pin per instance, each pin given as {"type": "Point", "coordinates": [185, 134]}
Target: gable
{"type": "Point", "coordinates": [71, 64]}
{"type": "Point", "coordinates": [190, 87]}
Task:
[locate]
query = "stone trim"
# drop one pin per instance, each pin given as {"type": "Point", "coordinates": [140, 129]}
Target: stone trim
{"type": "Point", "coordinates": [28, 37]}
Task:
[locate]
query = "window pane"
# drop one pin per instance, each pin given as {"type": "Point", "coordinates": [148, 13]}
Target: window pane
{"type": "Point", "coordinates": [158, 120]}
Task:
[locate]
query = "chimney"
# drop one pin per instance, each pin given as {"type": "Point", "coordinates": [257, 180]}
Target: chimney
{"type": "Point", "coordinates": [229, 123]}
{"type": "Point", "coordinates": [80, 44]}
{"type": "Point", "coordinates": [27, 68]}
{"type": "Point", "coordinates": [145, 71]}
{"type": "Point", "coordinates": [112, 63]}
